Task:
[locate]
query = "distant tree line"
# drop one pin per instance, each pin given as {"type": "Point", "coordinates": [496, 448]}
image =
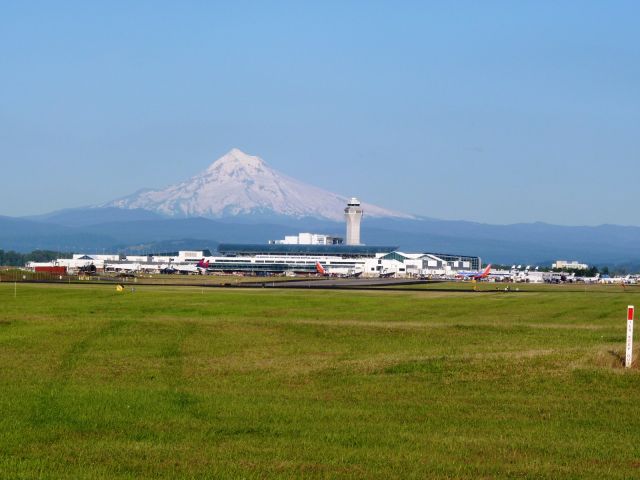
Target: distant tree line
{"type": "Point", "coordinates": [592, 271]}
{"type": "Point", "coordinates": [17, 259]}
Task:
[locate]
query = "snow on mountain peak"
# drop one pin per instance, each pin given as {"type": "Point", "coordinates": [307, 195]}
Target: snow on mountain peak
{"type": "Point", "coordinates": [237, 160]}
{"type": "Point", "coordinates": [241, 184]}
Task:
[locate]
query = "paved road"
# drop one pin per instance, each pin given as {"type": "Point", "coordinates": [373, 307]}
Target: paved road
{"type": "Point", "coordinates": [346, 283]}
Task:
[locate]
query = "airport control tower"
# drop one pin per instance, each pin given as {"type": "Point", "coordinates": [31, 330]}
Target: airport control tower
{"type": "Point", "coordinates": [353, 215]}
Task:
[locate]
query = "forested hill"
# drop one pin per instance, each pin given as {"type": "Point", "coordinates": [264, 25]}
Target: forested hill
{"type": "Point", "coordinates": [17, 259]}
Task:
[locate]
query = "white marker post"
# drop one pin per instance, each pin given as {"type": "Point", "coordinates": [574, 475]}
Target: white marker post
{"type": "Point", "coordinates": [629, 357]}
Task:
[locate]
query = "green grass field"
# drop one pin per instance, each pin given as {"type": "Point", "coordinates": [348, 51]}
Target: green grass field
{"type": "Point", "coordinates": [483, 286]}
{"type": "Point", "coordinates": [14, 274]}
{"type": "Point", "coordinates": [180, 382]}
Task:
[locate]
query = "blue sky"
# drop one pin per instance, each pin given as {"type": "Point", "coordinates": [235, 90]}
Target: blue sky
{"type": "Point", "coordinates": [493, 111]}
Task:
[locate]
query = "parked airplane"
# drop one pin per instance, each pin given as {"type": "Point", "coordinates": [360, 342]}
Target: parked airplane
{"type": "Point", "coordinates": [200, 268]}
{"type": "Point", "coordinates": [344, 274]}
{"type": "Point", "coordinates": [475, 275]}
{"type": "Point", "coordinates": [595, 279]}
{"type": "Point", "coordinates": [123, 267]}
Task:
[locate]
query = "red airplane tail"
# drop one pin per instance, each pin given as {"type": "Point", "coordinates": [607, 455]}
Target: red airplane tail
{"type": "Point", "coordinates": [485, 272]}
{"type": "Point", "coordinates": [320, 269]}
{"type": "Point", "coordinates": [203, 264]}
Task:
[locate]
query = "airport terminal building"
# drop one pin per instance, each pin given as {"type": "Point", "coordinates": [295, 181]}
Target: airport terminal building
{"type": "Point", "coordinates": [305, 253]}
{"type": "Point", "coordinates": [284, 258]}
{"type": "Point", "coordinates": [280, 259]}
{"type": "Point", "coordinates": [339, 259]}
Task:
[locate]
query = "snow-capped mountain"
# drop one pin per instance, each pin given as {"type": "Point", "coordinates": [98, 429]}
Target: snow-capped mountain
{"type": "Point", "coordinates": [241, 184]}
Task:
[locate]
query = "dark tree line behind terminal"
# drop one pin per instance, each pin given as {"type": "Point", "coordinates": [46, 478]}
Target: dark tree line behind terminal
{"type": "Point", "coordinates": [592, 271]}
{"type": "Point", "coordinates": [16, 259]}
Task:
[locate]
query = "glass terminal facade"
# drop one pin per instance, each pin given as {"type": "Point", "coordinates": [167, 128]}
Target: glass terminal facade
{"type": "Point", "coordinates": [344, 251]}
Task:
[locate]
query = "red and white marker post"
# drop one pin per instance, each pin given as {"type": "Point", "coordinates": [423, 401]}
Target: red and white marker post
{"type": "Point", "coordinates": [629, 356]}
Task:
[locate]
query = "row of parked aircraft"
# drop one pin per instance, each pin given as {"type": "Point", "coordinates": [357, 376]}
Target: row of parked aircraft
{"type": "Point", "coordinates": [172, 268]}
{"type": "Point", "coordinates": [203, 267]}
{"type": "Point", "coordinates": [515, 274]}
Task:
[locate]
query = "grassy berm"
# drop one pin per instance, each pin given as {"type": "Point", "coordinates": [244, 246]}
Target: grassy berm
{"type": "Point", "coordinates": [179, 382]}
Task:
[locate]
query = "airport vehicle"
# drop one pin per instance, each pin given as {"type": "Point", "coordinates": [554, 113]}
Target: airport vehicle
{"type": "Point", "coordinates": [87, 269]}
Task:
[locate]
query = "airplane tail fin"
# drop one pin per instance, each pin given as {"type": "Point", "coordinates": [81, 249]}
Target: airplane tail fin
{"type": "Point", "coordinates": [320, 269]}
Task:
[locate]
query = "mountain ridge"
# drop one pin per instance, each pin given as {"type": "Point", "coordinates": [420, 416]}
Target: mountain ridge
{"type": "Point", "coordinates": [239, 198]}
{"type": "Point", "coordinates": [520, 243]}
{"type": "Point", "coordinates": [242, 184]}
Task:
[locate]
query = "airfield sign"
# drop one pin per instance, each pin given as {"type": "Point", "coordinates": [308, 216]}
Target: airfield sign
{"type": "Point", "coordinates": [629, 356]}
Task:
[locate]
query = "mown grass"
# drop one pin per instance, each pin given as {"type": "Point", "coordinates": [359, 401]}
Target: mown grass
{"type": "Point", "coordinates": [177, 382]}
{"type": "Point", "coordinates": [19, 275]}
